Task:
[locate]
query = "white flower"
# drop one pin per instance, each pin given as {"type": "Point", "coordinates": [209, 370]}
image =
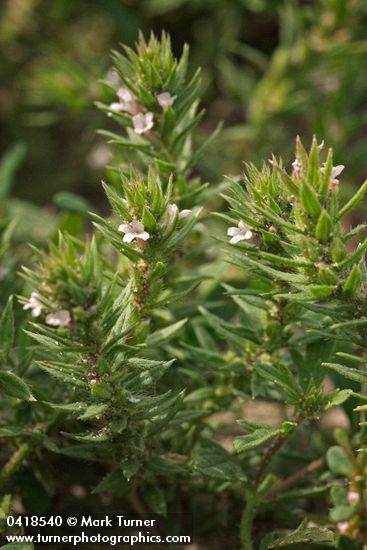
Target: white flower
{"type": "Point", "coordinates": [240, 233]}
{"type": "Point", "coordinates": [335, 172]}
{"type": "Point", "coordinates": [143, 122]}
{"type": "Point", "coordinates": [124, 95]}
{"type": "Point", "coordinates": [113, 78]}
{"type": "Point", "coordinates": [172, 210]}
{"type": "Point", "coordinates": [116, 107]}
{"type": "Point", "coordinates": [342, 526]}
{"type": "Point", "coordinates": [165, 100]}
{"type": "Point", "coordinates": [126, 103]}
{"type": "Point", "coordinates": [59, 319]}
{"type": "Point", "coordinates": [133, 399]}
{"type": "Point", "coordinates": [99, 156]}
{"type": "Point", "coordinates": [133, 230]}
{"type": "Point", "coordinates": [34, 304]}
{"type": "Point", "coordinates": [353, 497]}
{"type": "Point", "coordinates": [296, 168]}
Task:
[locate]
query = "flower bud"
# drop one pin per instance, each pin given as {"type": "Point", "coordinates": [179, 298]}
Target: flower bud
{"type": "Point", "coordinates": [327, 275]}
{"type": "Point", "coordinates": [310, 201]}
{"type": "Point", "coordinates": [338, 250]}
{"type": "Point", "coordinates": [353, 281]}
{"type": "Point", "coordinates": [324, 226]}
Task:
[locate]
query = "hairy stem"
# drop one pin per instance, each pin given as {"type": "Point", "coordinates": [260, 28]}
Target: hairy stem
{"type": "Point", "coordinates": [247, 521]}
{"type": "Point", "coordinates": [267, 458]}
{"type": "Point", "coordinates": [249, 511]}
{"type": "Point", "coordinates": [15, 461]}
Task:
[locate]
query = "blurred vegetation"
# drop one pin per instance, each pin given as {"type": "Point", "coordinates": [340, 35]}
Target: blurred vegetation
{"type": "Point", "coordinates": [271, 69]}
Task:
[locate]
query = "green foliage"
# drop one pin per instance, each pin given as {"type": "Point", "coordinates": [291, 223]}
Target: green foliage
{"type": "Point", "coordinates": [148, 338]}
{"type": "Point", "coordinates": [158, 107]}
{"type": "Point", "coordinates": [291, 237]}
{"type": "Point", "coordinates": [213, 461]}
{"type": "Point", "coordinates": [260, 434]}
{"type": "Point", "coordinates": [312, 537]}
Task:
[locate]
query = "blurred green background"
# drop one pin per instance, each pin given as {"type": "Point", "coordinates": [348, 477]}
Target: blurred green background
{"type": "Point", "coordinates": [271, 69]}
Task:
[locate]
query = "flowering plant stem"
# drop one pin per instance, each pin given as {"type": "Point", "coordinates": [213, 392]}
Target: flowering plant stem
{"type": "Point", "coordinates": [15, 461]}
{"type": "Point", "coordinates": [252, 494]}
{"type": "Point", "coordinates": [247, 520]}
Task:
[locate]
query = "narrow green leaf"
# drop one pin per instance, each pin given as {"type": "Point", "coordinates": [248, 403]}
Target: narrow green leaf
{"type": "Point", "coordinates": [287, 180]}
{"type": "Point", "coordinates": [10, 162]}
{"type": "Point", "coordinates": [313, 174]}
{"type": "Point", "coordinates": [305, 536]}
{"type": "Point", "coordinates": [14, 386]}
{"type": "Point", "coordinates": [7, 328]}
{"type": "Point", "coordinates": [130, 467]}
{"type": "Point", "coordinates": [336, 398]}
{"type": "Point", "coordinates": [324, 185]}
{"type": "Point", "coordinates": [324, 226]}
{"type": "Point", "coordinates": [155, 499]}
{"type": "Point", "coordinates": [352, 258]}
{"type": "Point", "coordinates": [293, 278]}
{"type": "Point", "coordinates": [347, 372]}
{"type": "Point", "coordinates": [93, 411]}
{"type": "Point", "coordinates": [353, 281]}
{"type": "Point", "coordinates": [212, 460]}
{"type": "Point", "coordinates": [338, 461]}
{"type": "Point", "coordinates": [256, 438]}
{"type": "Point", "coordinates": [165, 334]}
{"type": "Point", "coordinates": [309, 200]}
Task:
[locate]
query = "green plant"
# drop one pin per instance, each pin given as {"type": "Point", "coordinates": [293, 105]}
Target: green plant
{"type": "Point", "coordinates": [101, 312]}
{"type": "Point", "coordinates": [110, 371]}
{"type": "Point", "coordinates": [305, 300]}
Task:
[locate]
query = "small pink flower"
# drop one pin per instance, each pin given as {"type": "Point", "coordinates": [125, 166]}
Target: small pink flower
{"type": "Point", "coordinates": [34, 304]}
{"type": "Point", "coordinates": [165, 100]}
{"type": "Point", "coordinates": [353, 497]}
{"type": "Point", "coordinates": [133, 230]}
{"type": "Point", "coordinates": [297, 166]}
{"type": "Point", "coordinates": [335, 171]}
{"type": "Point", "coordinates": [172, 210]}
{"type": "Point", "coordinates": [240, 233]}
{"type": "Point", "coordinates": [124, 95]}
{"type": "Point", "coordinates": [116, 107]}
{"type": "Point", "coordinates": [59, 319]}
{"type": "Point", "coordinates": [127, 102]}
{"type": "Point", "coordinates": [143, 122]}
{"type": "Point", "coordinates": [342, 526]}
{"type": "Point", "coordinates": [113, 78]}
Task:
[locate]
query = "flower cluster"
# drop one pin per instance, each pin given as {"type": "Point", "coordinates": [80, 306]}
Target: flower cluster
{"type": "Point", "coordinates": [303, 300]}
{"type": "Point", "coordinates": [240, 233]}
{"type": "Point", "coordinates": [108, 316]}
{"type": "Point", "coordinates": [59, 318]}
{"type": "Point", "coordinates": [143, 121]}
{"type": "Point", "coordinates": [145, 209]}
{"type": "Point", "coordinates": [157, 106]}
{"type": "Point", "coordinates": [65, 288]}
{"type": "Point", "coordinates": [133, 230]}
